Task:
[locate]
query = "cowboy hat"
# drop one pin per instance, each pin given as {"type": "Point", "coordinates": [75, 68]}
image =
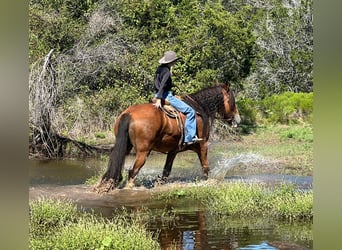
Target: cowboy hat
{"type": "Point", "coordinates": [168, 57]}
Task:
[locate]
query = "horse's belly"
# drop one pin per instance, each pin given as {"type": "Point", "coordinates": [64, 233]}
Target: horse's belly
{"type": "Point", "coordinates": [167, 144]}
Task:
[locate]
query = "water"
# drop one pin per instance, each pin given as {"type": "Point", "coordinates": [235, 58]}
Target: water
{"type": "Point", "coordinates": [180, 224]}
{"type": "Point", "coordinates": [62, 172]}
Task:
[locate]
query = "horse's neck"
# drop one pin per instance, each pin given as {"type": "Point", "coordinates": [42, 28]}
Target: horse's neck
{"type": "Point", "coordinates": [200, 106]}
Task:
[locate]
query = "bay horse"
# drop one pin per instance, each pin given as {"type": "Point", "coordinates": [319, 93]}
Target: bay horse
{"type": "Point", "coordinates": [147, 128]}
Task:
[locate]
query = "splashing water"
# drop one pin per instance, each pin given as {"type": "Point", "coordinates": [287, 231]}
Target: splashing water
{"type": "Point", "coordinates": [226, 164]}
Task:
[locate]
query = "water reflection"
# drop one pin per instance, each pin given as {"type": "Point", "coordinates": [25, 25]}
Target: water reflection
{"type": "Point", "coordinates": [263, 246]}
{"type": "Point", "coordinates": [62, 172]}
{"type": "Point", "coordinates": [188, 241]}
{"type": "Point", "coordinates": [192, 227]}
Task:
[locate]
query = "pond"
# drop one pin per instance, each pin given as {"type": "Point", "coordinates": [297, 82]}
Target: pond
{"type": "Point", "coordinates": [180, 224]}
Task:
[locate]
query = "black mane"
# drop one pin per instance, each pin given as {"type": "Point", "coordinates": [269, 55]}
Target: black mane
{"type": "Point", "coordinates": [207, 102]}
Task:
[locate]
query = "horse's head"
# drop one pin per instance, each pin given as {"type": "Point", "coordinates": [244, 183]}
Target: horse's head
{"type": "Point", "coordinates": [229, 110]}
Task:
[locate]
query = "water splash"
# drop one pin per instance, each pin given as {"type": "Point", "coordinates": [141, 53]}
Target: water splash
{"type": "Point", "coordinates": [226, 164]}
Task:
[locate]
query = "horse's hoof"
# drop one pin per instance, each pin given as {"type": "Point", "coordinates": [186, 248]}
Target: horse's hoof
{"type": "Point", "coordinates": [130, 185]}
{"type": "Point", "coordinates": [161, 180]}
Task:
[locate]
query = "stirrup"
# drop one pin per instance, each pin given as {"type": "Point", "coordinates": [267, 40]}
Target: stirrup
{"type": "Point", "coordinates": [195, 140]}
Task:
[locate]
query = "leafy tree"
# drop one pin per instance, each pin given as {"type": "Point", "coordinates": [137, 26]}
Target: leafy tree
{"type": "Point", "coordinates": [55, 25]}
{"type": "Point", "coordinates": [285, 49]}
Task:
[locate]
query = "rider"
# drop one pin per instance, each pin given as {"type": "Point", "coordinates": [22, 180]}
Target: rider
{"type": "Point", "coordinates": [163, 85]}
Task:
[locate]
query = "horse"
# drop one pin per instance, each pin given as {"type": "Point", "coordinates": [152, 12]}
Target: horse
{"type": "Point", "coordinates": [147, 128]}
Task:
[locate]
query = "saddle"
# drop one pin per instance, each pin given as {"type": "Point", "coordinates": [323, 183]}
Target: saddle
{"type": "Point", "coordinates": [167, 108]}
{"type": "Point", "coordinates": [175, 114]}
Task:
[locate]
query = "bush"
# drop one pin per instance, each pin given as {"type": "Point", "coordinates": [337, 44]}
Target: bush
{"type": "Point", "coordinates": [288, 108]}
{"type": "Point", "coordinates": [248, 111]}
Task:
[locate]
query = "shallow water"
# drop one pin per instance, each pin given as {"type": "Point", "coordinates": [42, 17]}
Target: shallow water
{"type": "Point", "coordinates": [181, 224]}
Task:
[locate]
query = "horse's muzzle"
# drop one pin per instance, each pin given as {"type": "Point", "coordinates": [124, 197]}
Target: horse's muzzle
{"type": "Point", "coordinates": [236, 120]}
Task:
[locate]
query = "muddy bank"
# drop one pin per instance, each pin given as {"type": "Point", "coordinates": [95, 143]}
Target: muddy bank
{"type": "Point", "coordinates": [84, 194]}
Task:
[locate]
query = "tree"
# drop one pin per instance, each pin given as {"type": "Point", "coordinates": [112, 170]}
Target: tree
{"type": "Point", "coordinates": [285, 50]}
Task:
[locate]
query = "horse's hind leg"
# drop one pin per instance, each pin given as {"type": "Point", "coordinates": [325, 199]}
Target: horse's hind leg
{"type": "Point", "coordinates": [140, 160]}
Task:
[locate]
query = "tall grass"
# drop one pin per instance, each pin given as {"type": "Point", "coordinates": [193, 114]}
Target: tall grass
{"type": "Point", "coordinates": [244, 199]}
{"type": "Point", "coordinates": [60, 225]}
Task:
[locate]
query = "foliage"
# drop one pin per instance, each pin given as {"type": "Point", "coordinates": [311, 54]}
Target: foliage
{"type": "Point", "coordinates": [284, 60]}
{"type": "Point", "coordinates": [288, 108]}
{"type": "Point", "coordinates": [59, 225]}
{"type": "Point", "coordinates": [285, 108]}
{"type": "Point", "coordinates": [110, 49]}
{"type": "Point", "coordinates": [55, 25]}
{"type": "Point", "coordinates": [248, 110]}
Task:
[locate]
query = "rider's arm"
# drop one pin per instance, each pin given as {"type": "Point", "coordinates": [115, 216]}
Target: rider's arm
{"type": "Point", "coordinates": [163, 78]}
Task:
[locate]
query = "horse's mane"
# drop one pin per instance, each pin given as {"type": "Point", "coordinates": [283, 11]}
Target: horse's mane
{"type": "Point", "coordinates": [208, 101]}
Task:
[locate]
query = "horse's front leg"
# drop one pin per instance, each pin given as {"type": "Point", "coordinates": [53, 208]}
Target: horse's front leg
{"type": "Point", "coordinates": [202, 152]}
{"type": "Point", "coordinates": [168, 166]}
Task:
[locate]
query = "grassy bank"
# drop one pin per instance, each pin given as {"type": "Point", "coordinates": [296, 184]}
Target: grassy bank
{"type": "Point", "coordinates": [60, 225]}
{"type": "Point", "coordinates": [251, 200]}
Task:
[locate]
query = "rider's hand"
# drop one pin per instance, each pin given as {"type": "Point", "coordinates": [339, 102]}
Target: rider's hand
{"type": "Point", "coordinates": [158, 103]}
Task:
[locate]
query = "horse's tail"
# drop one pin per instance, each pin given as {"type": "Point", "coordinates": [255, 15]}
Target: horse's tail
{"type": "Point", "coordinates": [122, 146]}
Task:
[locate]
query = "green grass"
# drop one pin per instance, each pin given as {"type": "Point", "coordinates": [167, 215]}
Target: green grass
{"type": "Point", "coordinates": [60, 225]}
{"type": "Point", "coordinates": [242, 199]}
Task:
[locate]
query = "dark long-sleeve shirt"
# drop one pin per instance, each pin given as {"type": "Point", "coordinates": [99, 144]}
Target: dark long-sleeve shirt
{"type": "Point", "coordinates": [162, 80]}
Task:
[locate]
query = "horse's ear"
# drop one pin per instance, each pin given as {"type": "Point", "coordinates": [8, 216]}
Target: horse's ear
{"type": "Point", "coordinates": [226, 86]}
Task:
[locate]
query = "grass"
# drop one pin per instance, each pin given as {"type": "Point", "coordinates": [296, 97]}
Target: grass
{"type": "Point", "coordinates": [243, 199]}
{"type": "Point", "coordinates": [60, 225]}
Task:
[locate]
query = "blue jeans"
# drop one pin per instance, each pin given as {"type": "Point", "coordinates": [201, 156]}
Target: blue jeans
{"type": "Point", "coordinates": [190, 121]}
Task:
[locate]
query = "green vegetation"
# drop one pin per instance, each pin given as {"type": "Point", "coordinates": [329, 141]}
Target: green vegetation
{"type": "Point", "coordinates": [242, 199]}
{"type": "Point", "coordinates": [59, 225]}
{"type": "Point", "coordinates": [286, 108]}
{"type": "Point", "coordinates": [56, 224]}
{"type": "Point", "coordinates": [91, 59]}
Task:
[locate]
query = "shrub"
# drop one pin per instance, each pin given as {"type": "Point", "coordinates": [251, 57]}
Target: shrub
{"type": "Point", "coordinates": [248, 111]}
{"type": "Point", "coordinates": [288, 108]}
